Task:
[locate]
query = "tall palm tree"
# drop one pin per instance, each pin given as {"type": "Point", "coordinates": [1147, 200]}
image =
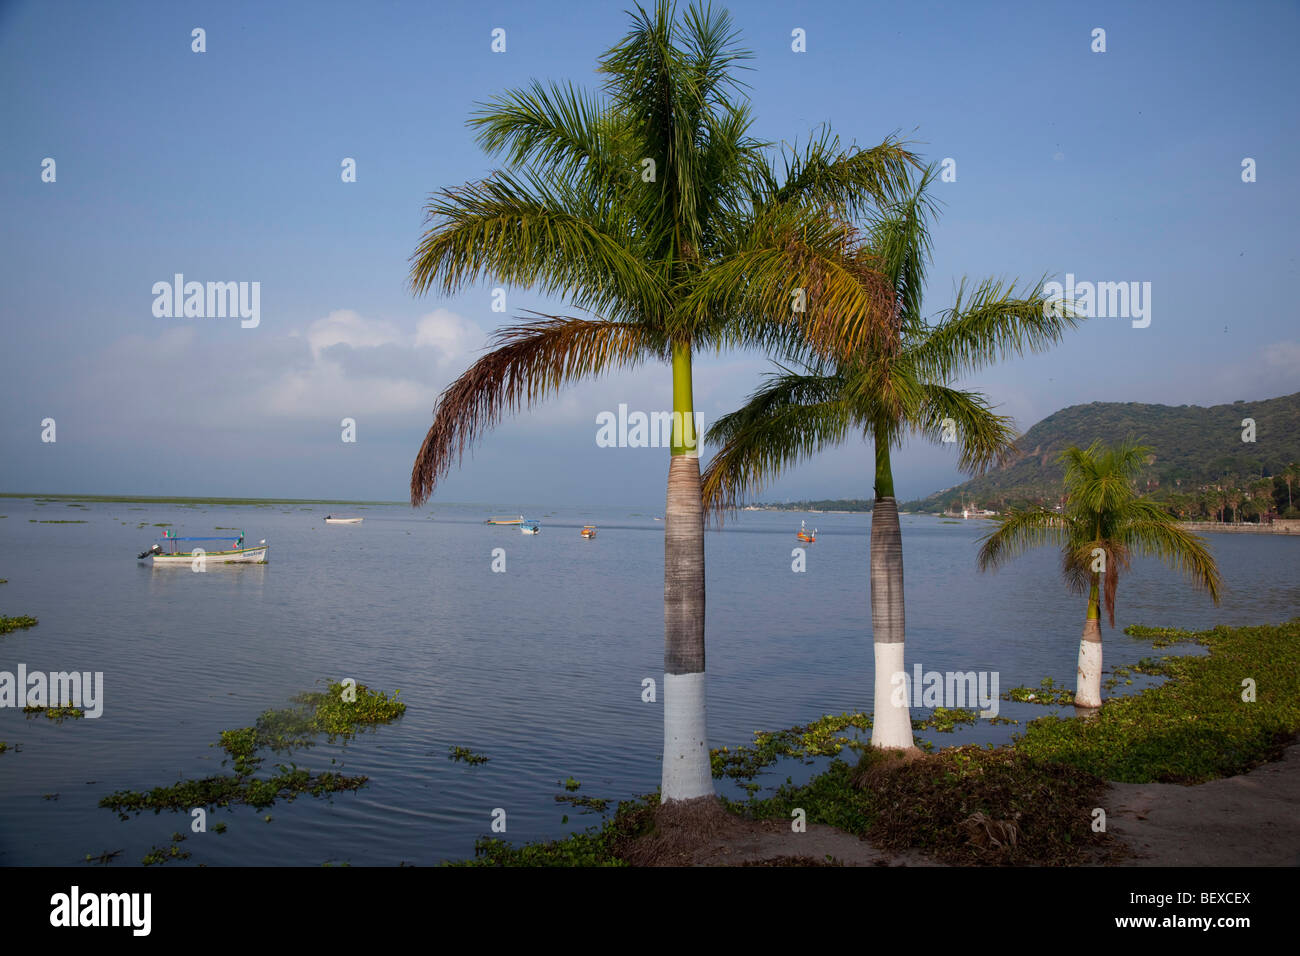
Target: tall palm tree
{"type": "Point", "coordinates": [1103, 525]}
{"type": "Point", "coordinates": [649, 207]}
{"type": "Point", "coordinates": [1262, 497]}
{"type": "Point", "coordinates": [904, 386]}
{"type": "Point", "coordinates": [1290, 474]}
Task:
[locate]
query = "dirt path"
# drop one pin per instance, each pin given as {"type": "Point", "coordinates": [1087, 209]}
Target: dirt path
{"type": "Point", "coordinates": [1249, 820]}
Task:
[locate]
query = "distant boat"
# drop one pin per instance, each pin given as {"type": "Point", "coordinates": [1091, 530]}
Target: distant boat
{"type": "Point", "coordinates": [806, 535]}
{"type": "Point", "coordinates": [519, 520]}
{"type": "Point", "coordinates": [342, 519]}
{"type": "Point", "coordinates": [659, 518]}
{"type": "Point", "coordinates": [588, 531]}
{"type": "Point", "coordinates": [236, 555]}
{"type": "Point", "coordinates": [532, 526]}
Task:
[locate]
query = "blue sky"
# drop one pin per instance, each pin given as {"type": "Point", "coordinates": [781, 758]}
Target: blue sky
{"type": "Point", "coordinates": [225, 166]}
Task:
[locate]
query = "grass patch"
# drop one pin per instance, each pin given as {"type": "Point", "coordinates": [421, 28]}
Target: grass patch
{"type": "Point", "coordinates": [8, 624]}
{"type": "Point", "coordinates": [58, 521]}
{"type": "Point", "coordinates": [1195, 726]}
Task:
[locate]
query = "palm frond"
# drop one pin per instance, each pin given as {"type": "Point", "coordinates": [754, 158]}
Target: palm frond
{"type": "Point", "coordinates": [528, 233]}
{"type": "Point", "coordinates": [1021, 531]}
{"type": "Point", "coordinates": [791, 417]}
{"type": "Point", "coordinates": [993, 321]}
{"type": "Point", "coordinates": [525, 363]}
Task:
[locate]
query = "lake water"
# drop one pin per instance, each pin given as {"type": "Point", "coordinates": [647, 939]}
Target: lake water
{"type": "Point", "coordinates": [539, 667]}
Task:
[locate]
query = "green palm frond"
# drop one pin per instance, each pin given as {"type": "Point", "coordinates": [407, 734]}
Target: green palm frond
{"type": "Point", "coordinates": [793, 416]}
{"type": "Point", "coordinates": [1021, 531]}
{"type": "Point", "coordinates": [531, 234]}
{"type": "Point", "coordinates": [1149, 530]}
{"type": "Point", "coordinates": [992, 321]}
{"type": "Point", "coordinates": [983, 438]}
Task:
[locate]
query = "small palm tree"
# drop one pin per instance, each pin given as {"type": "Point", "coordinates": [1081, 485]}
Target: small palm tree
{"type": "Point", "coordinates": [650, 208]}
{"type": "Point", "coordinates": [883, 395]}
{"type": "Point", "coordinates": [1104, 524]}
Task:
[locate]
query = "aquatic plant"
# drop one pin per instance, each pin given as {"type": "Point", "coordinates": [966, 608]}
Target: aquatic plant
{"type": "Point", "coordinates": [8, 624]}
{"type": "Point", "coordinates": [465, 755]}
{"type": "Point", "coordinates": [1047, 693]}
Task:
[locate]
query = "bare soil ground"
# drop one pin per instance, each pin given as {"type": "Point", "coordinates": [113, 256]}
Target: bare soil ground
{"type": "Point", "coordinates": [1249, 820]}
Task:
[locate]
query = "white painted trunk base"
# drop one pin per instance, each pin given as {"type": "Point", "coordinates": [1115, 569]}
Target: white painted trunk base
{"type": "Point", "coordinates": [891, 725]}
{"type": "Point", "coordinates": [1088, 687]}
{"type": "Point", "coordinates": [686, 749]}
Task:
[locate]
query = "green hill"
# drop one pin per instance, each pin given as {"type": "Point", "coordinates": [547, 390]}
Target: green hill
{"type": "Point", "coordinates": [1191, 447]}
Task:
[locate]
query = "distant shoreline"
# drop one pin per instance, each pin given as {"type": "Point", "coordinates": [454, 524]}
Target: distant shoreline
{"type": "Point", "coordinates": [1281, 526]}
{"type": "Point", "coordinates": [175, 500]}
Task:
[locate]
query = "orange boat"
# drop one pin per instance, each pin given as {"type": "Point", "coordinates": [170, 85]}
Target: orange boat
{"type": "Point", "coordinates": [806, 535]}
{"type": "Point", "coordinates": [588, 531]}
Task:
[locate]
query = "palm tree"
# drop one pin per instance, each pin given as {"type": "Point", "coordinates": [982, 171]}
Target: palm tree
{"type": "Point", "coordinates": [1289, 474]}
{"type": "Point", "coordinates": [904, 387]}
{"type": "Point", "coordinates": [1262, 497]}
{"type": "Point", "coordinates": [1103, 525]}
{"type": "Point", "coordinates": [649, 207]}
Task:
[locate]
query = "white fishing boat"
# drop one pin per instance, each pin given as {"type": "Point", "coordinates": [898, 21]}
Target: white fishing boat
{"type": "Point", "coordinates": [343, 519]}
{"type": "Point", "coordinates": [236, 555]}
{"type": "Point", "coordinates": [532, 526]}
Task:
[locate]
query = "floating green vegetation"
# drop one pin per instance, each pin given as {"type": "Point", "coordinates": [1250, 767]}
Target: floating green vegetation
{"type": "Point", "coordinates": [945, 720]}
{"type": "Point", "coordinates": [3, 746]}
{"type": "Point", "coordinates": [336, 713]}
{"type": "Point", "coordinates": [1047, 693]}
{"type": "Point", "coordinates": [161, 854]}
{"type": "Point", "coordinates": [8, 624]}
{"type": "Point", "coordinates": [3, 580]}
{"type": "Point", "coordinates": [1164, 636]}
{"type": "Point", "coordinates": [1217, 715]}
{"type": "Point", "coordinates": [56, 714]}
{"type": "Point", "coordinates": [465, 755]}
{"type": "Point", "coordinates": [58, 521]}
{"type": "Point", "coordinates": [818, 739]}
{"type": "Point", "coordinates": [596, 846]}
{"type": "Point", "coordinates": [162, 524]}
{"type": "Point", "coordinates": [586, 804]}
{"type": "Point", "coordinates": [219, 827]}
{"type": "Point", "coordinates": [108, 856]}
{"type": "Point", "coordinates": [570, 784]}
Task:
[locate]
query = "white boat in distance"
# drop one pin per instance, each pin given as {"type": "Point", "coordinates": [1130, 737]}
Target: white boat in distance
{"type": "Point", "coordinates": [236, 555]}
{"type": "Point", "coordinates": [531, 526]}
{"type": "Point", "coordinates": [342, 519]}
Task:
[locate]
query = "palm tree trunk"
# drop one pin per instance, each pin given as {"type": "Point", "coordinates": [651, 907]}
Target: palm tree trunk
{"type": "Point", "coordinates": [686, 771]}
{"type": "Point", "coordinates": [891, 726]}
{"type": "Point", "coordinates": [1088, 686]}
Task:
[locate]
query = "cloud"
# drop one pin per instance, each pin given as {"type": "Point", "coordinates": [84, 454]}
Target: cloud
{"type": "Point", "coordinates": [341, 364]}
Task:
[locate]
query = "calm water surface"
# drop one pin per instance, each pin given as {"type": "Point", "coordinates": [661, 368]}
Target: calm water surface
{"type": "Point", "coordinates": [539, 667]}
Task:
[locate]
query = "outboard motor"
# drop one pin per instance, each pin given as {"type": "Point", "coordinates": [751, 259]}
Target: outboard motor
{"type": "Point", "coordinates": [154, 550]}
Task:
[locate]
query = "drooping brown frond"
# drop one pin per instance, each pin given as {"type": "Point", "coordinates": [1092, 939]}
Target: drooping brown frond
{"type": "Point", "coordinates": [526, 362]}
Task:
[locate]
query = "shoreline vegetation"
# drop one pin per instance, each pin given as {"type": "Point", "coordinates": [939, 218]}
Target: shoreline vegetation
{"type": "Point", "coordinates": [1032, 802]}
